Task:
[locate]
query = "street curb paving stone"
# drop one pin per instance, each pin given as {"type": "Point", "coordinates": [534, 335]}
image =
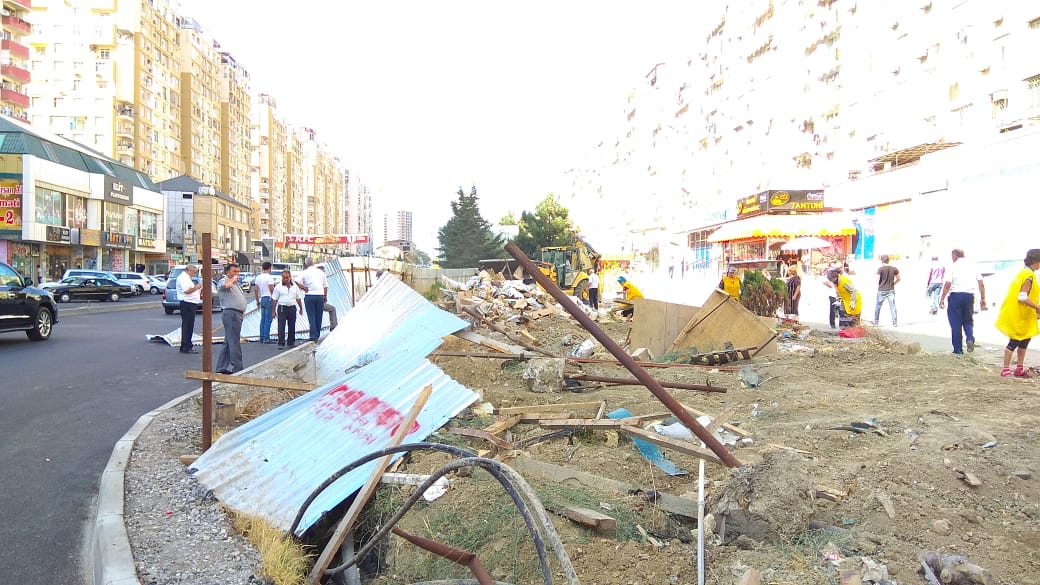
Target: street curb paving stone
{"type": "Point", "coordinates": [111, 557]}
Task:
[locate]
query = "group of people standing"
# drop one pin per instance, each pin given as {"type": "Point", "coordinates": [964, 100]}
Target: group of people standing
{"type": "Point", "coordinates": [277, 298]}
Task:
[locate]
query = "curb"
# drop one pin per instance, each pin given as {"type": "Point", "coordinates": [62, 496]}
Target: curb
{"type": "Point", "coordinates": [111, 557]}
{"type": "Point", "coordinates": [107, 308]}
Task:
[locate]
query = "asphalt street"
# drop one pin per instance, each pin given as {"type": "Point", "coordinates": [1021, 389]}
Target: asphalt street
{"type": "Point", "coordinates": [66, 402]}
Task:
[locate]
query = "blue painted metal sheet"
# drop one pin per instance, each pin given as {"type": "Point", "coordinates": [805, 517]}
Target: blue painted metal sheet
{"type": "Point", "coordinates": [649, 451]}
{"type": "Point", "coordinates": [270, 465]}
{"type": "Point", "coordinates": [390, 318]}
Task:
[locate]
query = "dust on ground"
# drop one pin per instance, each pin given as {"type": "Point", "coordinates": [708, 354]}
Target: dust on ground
{"type": "Point", "coordinates": [887, 496]}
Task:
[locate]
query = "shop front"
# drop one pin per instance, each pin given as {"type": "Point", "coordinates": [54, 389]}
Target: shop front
{"type": "Point", "coordinates": [766, 222]}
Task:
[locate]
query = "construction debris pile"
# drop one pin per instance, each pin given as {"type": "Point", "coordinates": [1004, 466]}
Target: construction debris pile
{"type": "Point", "coordinates": [693, 439]}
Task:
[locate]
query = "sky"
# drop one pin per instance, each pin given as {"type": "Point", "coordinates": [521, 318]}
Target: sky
{"type": "Point", "coordinates": [419, 98]}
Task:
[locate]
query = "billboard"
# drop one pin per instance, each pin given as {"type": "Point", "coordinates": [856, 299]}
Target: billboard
{"type": "Point", "coordinates": [786, 200]}
{"type": "Point", "coordinates": [10, 206]}
{"type": "Point", "coordinates": [315, 240]}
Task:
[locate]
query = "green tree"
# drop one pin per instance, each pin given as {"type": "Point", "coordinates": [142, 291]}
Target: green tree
{"type": "Point", "coordinates": [507, 219]}
{"type": "Point", "coordinates": [467, 237]}
{"type": "Point", "coordinates": [549, 225]}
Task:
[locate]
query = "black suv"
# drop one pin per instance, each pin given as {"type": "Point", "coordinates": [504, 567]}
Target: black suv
{"type": "Point", "coordinates": [25, 308]}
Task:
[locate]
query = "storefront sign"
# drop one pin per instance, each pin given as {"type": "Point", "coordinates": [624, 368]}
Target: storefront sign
{"type": "Point", "coordinates": [89, 237]}
{"type": "Point", "coordinates": [312, 240]}
{"type": "Point", "coordinates": [58, 234]}
{"type": "Point", "coordinates": [113, 240]}
{"type": "Point", "coordinates": [143, 243]}
{"type": "Point", "coordinates": [10, 206]}
{"type": "Point", "coordinates": [780, 200]}
{"type": "Point", "coordinates": [117, 191]}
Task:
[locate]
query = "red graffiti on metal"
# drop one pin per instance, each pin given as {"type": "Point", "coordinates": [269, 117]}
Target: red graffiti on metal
{"type": "Point", "coordinates": [364, 416]}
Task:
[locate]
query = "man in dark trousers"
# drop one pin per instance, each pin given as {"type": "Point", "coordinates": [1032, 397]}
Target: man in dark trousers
{"type": "Point", "coordinates": [888, 278]}
{"type": "Point", "coordinates": [189, 297]}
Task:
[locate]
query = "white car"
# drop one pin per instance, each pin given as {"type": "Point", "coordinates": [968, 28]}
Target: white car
{"type": "Point", "coordinates": [138, 282]}
{"type": "Point", "coordinates": [158, 284]}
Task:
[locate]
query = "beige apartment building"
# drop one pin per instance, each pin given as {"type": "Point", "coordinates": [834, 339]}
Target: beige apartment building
{"type": "Point", "coordinates": [269, 170]}
{"type": "Point", "coordinates": [782, 94]}
{"type": "Point", "coordinates": [108, 77]}
{"type": "Point", "coordinates": [200, 73]}
{"type": "Point", "coordinates": [14, 67]}
{"type": "Point", "coordinates": [235, 140]}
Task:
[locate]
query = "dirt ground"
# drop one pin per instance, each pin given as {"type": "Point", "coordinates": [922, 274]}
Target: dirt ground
{"type": "Point", "coordinates": [888, 497]}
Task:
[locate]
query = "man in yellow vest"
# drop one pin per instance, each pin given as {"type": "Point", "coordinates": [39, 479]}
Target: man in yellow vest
{"type": "Point", "coordinates": [630, 293]}
{"type": "Point", "coordinates": [730, 283]}
{"type": "Point", "coordinates": [850, 301]}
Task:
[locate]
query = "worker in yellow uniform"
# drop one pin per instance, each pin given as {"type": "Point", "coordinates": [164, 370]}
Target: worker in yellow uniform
{"type": "Point", "coordinates": [730, 283]}
{"type": "Point", "coordinates": [850, 301]}
{"type": "Point", "coordinates": [631, 293]}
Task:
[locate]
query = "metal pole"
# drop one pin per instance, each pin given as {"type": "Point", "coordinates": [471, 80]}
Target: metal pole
{"type": "Point", "coordinates": [700, 521]}
{"type": "Point", "coordinates": [626, 360]}
{"type": "Point", "coordinates": [461, 557]}
{"type": "Point", "coordinates": [207, 340]}
{"type": "Point", "coordinates": [353, 291]}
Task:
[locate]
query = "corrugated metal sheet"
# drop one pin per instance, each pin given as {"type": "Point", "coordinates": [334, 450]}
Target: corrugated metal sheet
{"type": "Point", "coordinates": [339, 297]}
{"type": "Point", "coordinates": [270, 465]}
{"type": "Point", "coordinates": [390, 318]}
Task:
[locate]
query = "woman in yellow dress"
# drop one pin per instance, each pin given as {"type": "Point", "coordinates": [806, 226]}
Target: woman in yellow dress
{"type": "Point", "coordinates": [1018, 315]}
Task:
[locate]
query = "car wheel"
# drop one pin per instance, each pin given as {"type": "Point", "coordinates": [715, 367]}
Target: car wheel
{"type": "Point", "coordinates": [113, 297]}
{"type": "Point", "coordinates": [42, 325]}
{"type": "Point", "coordinates": [139, 290]}
{"type": "Point", "coordinates": [169, 310]}
{"type": "Point", "coordinates": [64, 297]}
{"type": "Point", "coordinates": [155, 290]}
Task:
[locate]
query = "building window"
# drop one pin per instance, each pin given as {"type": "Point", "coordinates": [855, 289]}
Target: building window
{"type": "Point", "coordinates": [75, 212]}
{"type": "Point", "coordinates": [104, 54]}
{"type": "Point", "coordinates": [149, 226]}
{"type": "Point", "coordinates": [1033, 84]}
{"type": "Point", "coordinates": [115, 218]}
{"type": "Point", "coordinates": [49, 209]}
{"type": "Point", "coordinates": [131, 221]}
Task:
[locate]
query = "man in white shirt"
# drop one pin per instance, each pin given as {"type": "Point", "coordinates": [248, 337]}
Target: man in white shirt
{"type": "Point", "coordinates": [316, 291]}
{"type": "Point", "coordinates": [594, 289]}
{"type": "Point", "coordinates": [285, 295]}
{"type": "Point", "coordinates": [189, 296]}
{"type": "Point", "coordinates": [263, 286]}
{"type": "Point", "coordinates": [962, 279]}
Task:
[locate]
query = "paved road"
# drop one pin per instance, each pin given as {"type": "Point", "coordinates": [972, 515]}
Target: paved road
{"type": "Point", "coordinates": [66, 402]}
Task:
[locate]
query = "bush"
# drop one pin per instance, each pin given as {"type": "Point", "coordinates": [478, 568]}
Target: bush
{"type": "Point", "coordinates": [761, 296]}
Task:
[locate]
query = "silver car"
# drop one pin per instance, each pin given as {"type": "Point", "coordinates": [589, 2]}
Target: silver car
{"type": "Point", "coordinates": [138, 282]}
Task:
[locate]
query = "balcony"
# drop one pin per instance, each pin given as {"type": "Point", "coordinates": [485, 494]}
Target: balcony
{"type": "Point", "coordinates": [16, 50]}
{"type": "Point", "coordinates": [14, 73]}
{"type": "Point", "coordinates": [126, 130]}
{"type": "Point", "coordinates": [13, 97]}
{"type": "Point", "coordinates": [16, 25]}
{"type": "Point", "coordinates": [125, 112]}
{"type": "Point", "coordinates": [16, 5]}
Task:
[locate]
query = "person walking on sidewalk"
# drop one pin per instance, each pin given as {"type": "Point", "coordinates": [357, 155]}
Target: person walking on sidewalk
{"type": "Point", "coordinates": [233, 308]}
{"type": "Point", "coordinates": [287, 298]}
{"type": "Point", "coordinates": [263, 285]}
{"type": "Point", "coordinates": [935, 284]}
{"type": "Point", "coordinates": [594, 289]}
{"type": "Point", "coordinates": [315, 287]}
{"type": "Point", "coordinates": [189, 297]}
{"type": "Point", "coordinates": [1018, 315]}
{"type": "Point", "coordinates": [888, 278]}
{"type": "Point", "coordinates": [961, 281]}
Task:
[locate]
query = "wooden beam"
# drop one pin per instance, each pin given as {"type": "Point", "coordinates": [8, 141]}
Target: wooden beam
{"type": "Point", "coordinates": [590, 518]}
{"type": "Point", "coordinates": [347, 523]}
{"type": "Point", "coordinates": [675, 445]}
{"type": "Point", "coordinates": [504, 424]}
{"type": "Point", "coordinates": [562, 475]}
{"type": "Point", "coordinates": [592, 423]}
{"type": "Point", "coordinates": [537, 417]}
{"type": "Point", "coordinates": [249, 381]}
{"type": "Point", "coordinates": [547, 407]}
{"type": "Point", "coordinates": [490, 343]}
{"type": "Point", "coordinates": [482, 434]}
{"type": "Point", "coordinates": [477, 354]}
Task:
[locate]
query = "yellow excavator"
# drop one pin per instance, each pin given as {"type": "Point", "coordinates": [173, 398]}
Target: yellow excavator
{"type": "Point", "coordinates": [569, 266]}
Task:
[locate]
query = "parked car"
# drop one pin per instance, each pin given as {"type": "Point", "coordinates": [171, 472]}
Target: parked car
{"type": "Point", "coordinates": [158, 284]}
{"type": "Point", "coordinates": [137, 280]}
{"type": "Point", "coordinates": [25, 308]}
{"type": "Point", "coordinates": [170, 301]}
{"type": "Point", "coordinates": [102, 289]}
{"type": "Point", "coordinates": [246, 278]}
{"type": "Point", "coordinates": [88, 272]}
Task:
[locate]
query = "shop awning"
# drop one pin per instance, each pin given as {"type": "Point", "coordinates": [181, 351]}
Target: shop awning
{"type": "Point", "coordinates": [785, 226]}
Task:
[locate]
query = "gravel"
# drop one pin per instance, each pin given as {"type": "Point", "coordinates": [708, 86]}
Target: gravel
{"type": "Point", "coordinates": [178, 531]}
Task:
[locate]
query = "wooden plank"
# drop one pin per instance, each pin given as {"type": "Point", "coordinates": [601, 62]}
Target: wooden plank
{"type": "Point", "coordinates": [733, 429]}
{"type": "Point", "coordinates": [482, 434]}
{"type": "Point", "coordinates": [536, 417]}
{"type": "Point", "coordinates": [563, 475]}
{"type": "Point", "coordinates": [477, 354]}
{"type": "Point", "coordinates": [489, 343]}
{"type": "Point", "coordinates": [591, 518]}
{"type": "Point", "coordinates": [661, 441]}
{"type": "Point", "coordinates": [658, 324]}
{"type": "Point", "coordinates": [725, 320]}
{"type": "Point", "coordinates": [592, 423]}
{"type": "Point", "coordinates": [347, 523]}
{"type": "Point", "coordinates": [560, 407]}
{"type": "Point", "coordinates": [249, 381]}
{"type": "Point", "coordinates": [502, 425]}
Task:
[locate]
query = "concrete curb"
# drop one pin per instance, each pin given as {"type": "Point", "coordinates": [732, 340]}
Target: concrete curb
{"type": "Point", "coordinates": [111, 557]}
{"type": "Point", "coordinates": [91, 309]}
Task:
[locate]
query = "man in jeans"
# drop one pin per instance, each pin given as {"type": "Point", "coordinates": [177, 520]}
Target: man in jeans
{"type": "Point", "coordinates": [189, 296]}
{"type": "Point", "coordinates": [263, 286]}
{"type": "Point", "coordinates": [935, 284]}
{"type": "Point", "coordinates": [316, 292]}
{"type": "Point", "coordinates": [962, 280]}
{"type": "Point", "coordinates": [888, 278]}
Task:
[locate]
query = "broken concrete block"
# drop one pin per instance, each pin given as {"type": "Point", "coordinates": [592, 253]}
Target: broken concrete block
{"type": "Point", "coordinates": [1022, 474]}
{"type": "Point", "coordinates": [751, 577]}
{"type": "Point", "coordinates": [642, 354]}
{"type": "Point", "coordinates": [544, 375]}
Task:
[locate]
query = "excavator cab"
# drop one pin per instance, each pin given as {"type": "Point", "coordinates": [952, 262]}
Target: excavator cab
{"type": "Point", "coordinates": [569, 266]}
